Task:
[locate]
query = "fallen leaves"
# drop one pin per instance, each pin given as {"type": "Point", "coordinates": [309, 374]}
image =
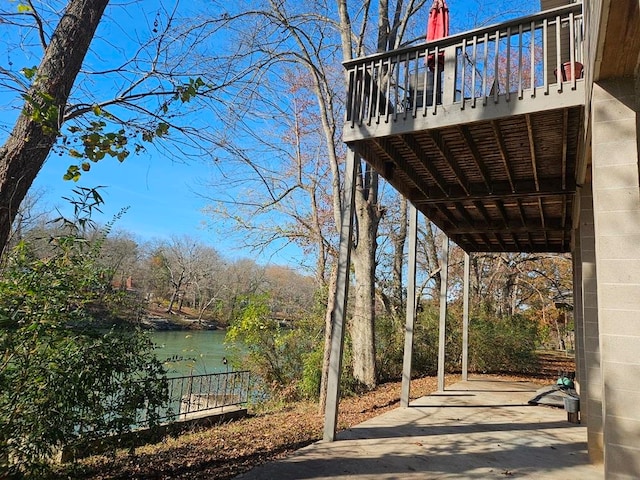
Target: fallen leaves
{"type": "Point", "coordinates": [226, 450]}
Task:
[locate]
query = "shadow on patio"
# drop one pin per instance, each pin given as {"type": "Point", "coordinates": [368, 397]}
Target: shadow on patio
{"type": "Point", "coordinates": [475, 430]}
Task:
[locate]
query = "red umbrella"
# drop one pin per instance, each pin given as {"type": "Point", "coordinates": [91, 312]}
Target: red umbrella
{"type": "Point", "coordinates": [437, 28]}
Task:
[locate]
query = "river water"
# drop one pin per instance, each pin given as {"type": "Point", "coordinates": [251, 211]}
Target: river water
{"type": "Point", "coordinates": [192, 352]}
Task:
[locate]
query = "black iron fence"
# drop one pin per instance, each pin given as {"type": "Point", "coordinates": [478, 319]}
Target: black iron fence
{"type": "Point", "coordinates": [193, 395]}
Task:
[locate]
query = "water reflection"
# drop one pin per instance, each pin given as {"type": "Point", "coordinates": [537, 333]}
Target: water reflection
{"type": "Point", "coordinates": [191, 352]}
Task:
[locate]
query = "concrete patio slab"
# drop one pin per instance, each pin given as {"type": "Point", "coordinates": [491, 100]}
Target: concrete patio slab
{"type": "Point", "coordinates": [479, 429]}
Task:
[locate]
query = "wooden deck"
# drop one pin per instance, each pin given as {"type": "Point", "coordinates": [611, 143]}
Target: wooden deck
{"type": "Point", "coordinates": [490, 154]}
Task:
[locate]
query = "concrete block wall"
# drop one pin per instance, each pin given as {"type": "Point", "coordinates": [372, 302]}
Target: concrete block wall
{"type": "Point", "coordinates": [616, 197]}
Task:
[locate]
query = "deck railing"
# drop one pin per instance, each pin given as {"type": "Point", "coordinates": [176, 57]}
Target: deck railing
{"type": "Point", "coordinates": [529, 56]}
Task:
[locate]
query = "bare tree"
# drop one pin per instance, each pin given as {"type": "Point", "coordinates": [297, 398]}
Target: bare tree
{"type": "Point", "coordinates": [208, 284]}
{"type": "Point", "coordinates": [181, 259]}
{"type": "Point", "coordinates": [244, 278]}
{"type": "Point", "coordinates": [120, 254]}
{"type": "Point", "coordinates": [291, 293]}
{"type": "Point", "coordinates": [391, 256]}
{"type": "Point", "coordinates": [272, 187]}
{"type": "Point", "coordinates": [308, 36]}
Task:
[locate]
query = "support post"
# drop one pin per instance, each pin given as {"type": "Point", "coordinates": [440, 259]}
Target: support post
{"type": "Point", "coordinates": [341, 295]}
{"type": "Point", "coordinates": [443, 312]}
{"type": "Point", "coordinates": [411, 307]}
{"type": "Point", "coordinates": [591, 397]}
{"type": "Point", "coordinates": [578, 320]}
{"type": "Point", "coordinates": [465, 318]}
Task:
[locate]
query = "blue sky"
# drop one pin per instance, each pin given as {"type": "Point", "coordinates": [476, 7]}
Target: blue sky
{"type": "Point", "coordinates": [157, 191]}
{"type": "Point", "coordinates": [162, 199]}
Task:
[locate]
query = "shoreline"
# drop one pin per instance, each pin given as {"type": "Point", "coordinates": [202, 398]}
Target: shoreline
{"type": "Point", "coordinates": [165, 324]}
{"type": "Point", "coordinates": [176, 321]}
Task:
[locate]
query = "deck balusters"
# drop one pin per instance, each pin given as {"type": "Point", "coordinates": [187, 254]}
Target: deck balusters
{"type": "Point", "coordinates": [487, 63]}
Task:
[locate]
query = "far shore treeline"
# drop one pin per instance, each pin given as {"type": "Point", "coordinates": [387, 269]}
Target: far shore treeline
{"type": "Point", "coordinates": [183, 283]}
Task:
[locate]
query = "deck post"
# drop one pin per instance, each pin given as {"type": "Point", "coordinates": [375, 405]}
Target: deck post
{"type": "Point", "coordinates": [340, 303]}
{"type": "Point", "coordinates": [411, 307]}
{"type": "Point", "coordinates": [592, 400]}
{"type": "Point", "coordinates": [465, 318]}
{"type": "Point", "coordinates": [443, 312]}
{"type": "Point", "coordinates": [578, 320]}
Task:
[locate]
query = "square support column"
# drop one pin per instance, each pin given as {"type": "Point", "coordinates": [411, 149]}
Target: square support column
{"type": "Point", "coordinates": [591, 391]}
{"type": "Point", "coordinates": [616, 202]}
{"type": "Point", "coordinates": [578, 321]}
{"type": "Point", "coordinates": [444, 270]}
{"type": "Point", "coordinates": [465, 318]}
{"type": "Point", "coordinates": [338, 314]}
{"type": "Point", "coordinates": [411, 308]}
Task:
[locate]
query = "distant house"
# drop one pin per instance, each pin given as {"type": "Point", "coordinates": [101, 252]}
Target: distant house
{"type": "Point", "coordinates": [127, 284]}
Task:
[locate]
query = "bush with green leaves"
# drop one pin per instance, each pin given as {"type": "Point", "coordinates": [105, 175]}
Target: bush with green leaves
{"type": "Point", "coordinates": [64, 378]}
{"type": "Point", "coordinates": [506, 344]}
{"type": "Point", "coordinates": [390, 344]}
{"type": "Point", "coordinates": [389, 336]}
{"type": "Point", "coordinates": [285, 355]}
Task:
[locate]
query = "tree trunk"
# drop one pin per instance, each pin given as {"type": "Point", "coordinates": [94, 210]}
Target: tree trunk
{"type": "Point", "coordinates": [431, 251]}
{"type": "Point", "coordinates": [172, 302]}
{"type": "Point", "coordinates": [367, 211]}
{"type": "Point", "coordinates": [180, 303]}
{"type": "Point", "coordinates": [363, 259]}
{"type": "Point", "coordinates": [176, 291]}
{"type": "Point", "coordinates": [399, 239]}
{"type": "Point", "coordinates": [328, 332]}
{"type": "Point", "coordinates": [30, 142]}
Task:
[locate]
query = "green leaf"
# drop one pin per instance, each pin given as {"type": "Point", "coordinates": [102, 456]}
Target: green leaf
{"type": "Point", "coordinates": [73, 173]}
{"type": "Point", "coordinates": [74, 177]}
{"type": "Point", "coordinates": [92, 139]}
{"type": "Point", "coordinates": [97, 198]}
{"type": "Point", "coordinates": [47, 97]}
{"type": "Point", "coordinates": [162, 129]}
{"type": "Point", "coordinates": [22, 8]}
{"type": "Point", "coordinates": [29, 73]}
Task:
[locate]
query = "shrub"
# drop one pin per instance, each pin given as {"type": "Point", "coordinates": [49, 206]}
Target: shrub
{"type": "Point", "coordinates": [389, 336]}
{"type": "Point", "coordinates": [63, 379]}
{"type": "Point", "coordinates": [505, 344]}
{"type": "Point", "coordinates": [495, 344]}
{"type": "Point", "coordinates": [274, 350]}
{"type": "Point", "coordinates": [312, 373]}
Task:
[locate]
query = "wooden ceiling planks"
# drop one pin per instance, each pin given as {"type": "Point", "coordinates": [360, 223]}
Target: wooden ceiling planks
{"type": "Point", "coordinates": [503, 184]}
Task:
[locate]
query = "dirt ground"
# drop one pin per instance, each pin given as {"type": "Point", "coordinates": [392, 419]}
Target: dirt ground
{"type": "Point", "coordinates": [226, 450]}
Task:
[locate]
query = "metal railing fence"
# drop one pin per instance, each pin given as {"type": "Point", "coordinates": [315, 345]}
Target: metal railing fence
{"type": "Point", "coordinates": [191, 395]}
